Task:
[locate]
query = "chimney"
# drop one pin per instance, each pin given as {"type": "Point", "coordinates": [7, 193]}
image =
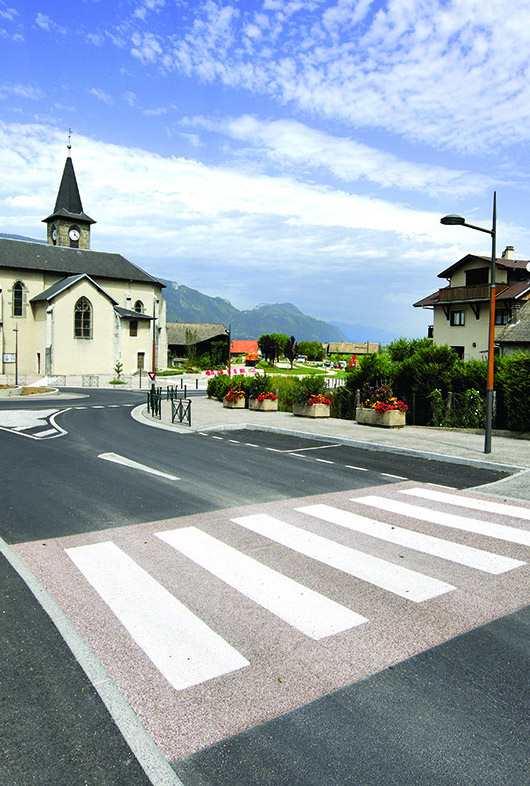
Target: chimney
{"type": "Point", "coordinates": [516, 313]}
{"type": "Point", "coordinates": [508, 253]}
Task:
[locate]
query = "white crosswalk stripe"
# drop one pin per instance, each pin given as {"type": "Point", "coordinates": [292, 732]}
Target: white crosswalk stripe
{"type": "Point", "coordinates": [443, 519]}
{"type": "Point", "coordinates": [184, 649]}
{"type": "Point", "coordinates": [487, 505]}
{"type": "Point", "coordinates": [394, 578]}
{"type": "Point", "coordinates": [454, 552]}
{"type": "Point", "coordinates": [301, 607]}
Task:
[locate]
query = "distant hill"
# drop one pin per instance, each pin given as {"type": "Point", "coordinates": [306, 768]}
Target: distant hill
{"type": "Point", "coordinates": [363, 333]}
{"type": "Point", "coordinates": [189, 305]}
{"type": "Point", "coordinates": [21, 237]}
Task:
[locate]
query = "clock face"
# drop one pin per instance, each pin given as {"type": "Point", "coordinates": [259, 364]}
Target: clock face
{"type": "Point", "coordinates": [73, 234]}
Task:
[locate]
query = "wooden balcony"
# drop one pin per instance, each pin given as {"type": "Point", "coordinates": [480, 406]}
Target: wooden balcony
{"type": "Point", "coordinates": [465, 294]}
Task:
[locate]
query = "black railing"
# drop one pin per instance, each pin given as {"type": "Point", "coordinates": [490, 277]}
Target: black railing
{"type": "Point", "coordinates": [181, 410]}
{"type": "Point", "coordinates": [154, 402]}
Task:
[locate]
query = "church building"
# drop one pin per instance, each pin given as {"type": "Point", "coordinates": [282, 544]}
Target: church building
{"type": "Point", "coordinates": [65, 309]}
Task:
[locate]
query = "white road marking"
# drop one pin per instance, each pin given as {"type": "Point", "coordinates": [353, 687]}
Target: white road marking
{"type": "Point", "coordinates": [396, 579]}
{"type": "Point", "coordinates": [303, 608]}
{"type": "Point", "coordinates": [474, 504]}
{"type": "Point", "coordinates": [360, 469]}
{"type": "Point", "coordinates": [325, 461]}
{"type": "Point", "coordinates": [45, 433]}
{"type": "Point", "coordinates": [427, 544]}
{"type": "Point", "coordinates": [117, 459]}
{"type": "Point", "coordinates": [498, 531]}
{"type": "Point", "coordinates": [217, 437]}
{"type": "Point", "coordinates": [388, 475]}
{"type": "Point", "coordinates": [97, 406]}
{"type": "Point", "coordinates": [251, 445]}
{"type": "Point", "coordinates": [314, 447]}
{"type": "Point", "coordinates": [184, 649]}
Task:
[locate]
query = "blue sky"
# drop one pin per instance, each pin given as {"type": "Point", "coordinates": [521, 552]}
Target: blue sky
{"type": "Point", "coordinates": [298, 151]}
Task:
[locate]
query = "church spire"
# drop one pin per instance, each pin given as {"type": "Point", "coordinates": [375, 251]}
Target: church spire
{"type": "Point", "coordinates": [69, 225]}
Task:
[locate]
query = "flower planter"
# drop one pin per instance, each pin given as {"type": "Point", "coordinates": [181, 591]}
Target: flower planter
{"type": "Point", "coordinates": [268, 405]}
{"type": "Point", "coordinates": [239, 404]}
{"type": "Point", "coordinates": [314, 411]}
{"type": "Point", "coordinates": [394, 418]}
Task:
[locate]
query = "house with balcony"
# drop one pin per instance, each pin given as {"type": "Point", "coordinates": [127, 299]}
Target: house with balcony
{"type": "Point", "coordinates": [461, 309]}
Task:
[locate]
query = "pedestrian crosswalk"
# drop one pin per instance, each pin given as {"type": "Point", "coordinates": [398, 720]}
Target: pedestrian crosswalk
{"type": "Point", "coordinates": [338, 538]}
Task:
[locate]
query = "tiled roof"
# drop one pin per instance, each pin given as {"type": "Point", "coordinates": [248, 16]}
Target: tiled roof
{"type": "Point", "coordinates": [65, 283]}
{"type": "Point", "coordinates": [243, 347]}
{"type": "Point", "coordinates": [505, 264]}
{"type": "Point", "coordinates": [518, 333]}
{"type": "Point", "coordinates": [198, 331]}
{"type": "Point", "coordinates": [69, 261]}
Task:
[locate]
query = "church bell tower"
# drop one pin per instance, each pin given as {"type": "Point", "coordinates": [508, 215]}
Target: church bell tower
{"type": "Point", "coordinates": [69, 225]}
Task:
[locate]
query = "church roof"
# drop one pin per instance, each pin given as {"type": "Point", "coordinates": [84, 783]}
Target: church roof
{"type": "Point", "coordinates": [69, 261]}
{"type": "Point", "coordinates": [68, 203]}
{"type": "Point", "coordinates": [66, 283]}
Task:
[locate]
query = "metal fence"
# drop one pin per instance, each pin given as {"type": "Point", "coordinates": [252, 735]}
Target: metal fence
{"type": "Point", "coordinates": [154, 402]}
{"type": "Point", "coordinates": [181, 410]}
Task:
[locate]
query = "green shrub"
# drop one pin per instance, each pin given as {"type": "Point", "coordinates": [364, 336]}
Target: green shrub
{"type": "Point", "coordinates": [515, 381]}
{"type": "Point", "coordinates": [308, 386]}
{"type": "Point", "coordinates": [284, 387]}
{"type": "Point", "coordinates": [342, 403]}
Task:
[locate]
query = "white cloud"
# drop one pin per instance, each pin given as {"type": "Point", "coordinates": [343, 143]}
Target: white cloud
{"type": "Point", "coordinates": [45, 23]}
{"type": "Point", "coordinates": [218, 229]}
{"type": "Point", "coordinates": [161, 110]}
{"type": "Point", "coordinates": [23, 91]}
{"type": "Point", "coordinates": [289, 141]}
{"type": "Point", "coordinates": [101, 95]}
{"type": "Point", "coordinates": [453, 75]}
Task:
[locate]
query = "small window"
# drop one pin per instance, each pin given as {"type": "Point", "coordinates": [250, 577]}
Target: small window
{"type": "Point", "coordinates": [18, 300]}
{"type": "Point", "coordinates": [133, 327]}
{"type": "Point", "coordinates": [476, 276]}
{"type": "Point", "coordinates": [139, 307]}
{"type": "Point", "coordinates": [140, 360]}
{"type": "Point", "coordinates": [501, 316]}
{"type": "Point", "coordinates": [83, 318]}
{"type": "Point", "coordinates": [458, 318]}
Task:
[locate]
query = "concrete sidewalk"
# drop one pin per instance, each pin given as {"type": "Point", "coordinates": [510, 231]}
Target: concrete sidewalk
{"type": "Point", "coordinates": [458, 446]}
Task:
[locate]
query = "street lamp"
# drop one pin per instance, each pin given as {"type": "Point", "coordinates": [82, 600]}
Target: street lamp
{"type": "Point", "coordinates": [15, 331]}
{"type": "Point", "coordinates": [454, 220]}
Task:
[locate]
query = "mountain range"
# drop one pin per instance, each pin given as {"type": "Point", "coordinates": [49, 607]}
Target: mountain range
{"type": "Point", "coordinates": [185, 304]}
{"type": "Point", "coordinates": [189, 305]}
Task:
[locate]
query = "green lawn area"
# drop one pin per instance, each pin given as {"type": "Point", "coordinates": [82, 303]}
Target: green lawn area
{"type": "Point", "coordinates": [296, 371]}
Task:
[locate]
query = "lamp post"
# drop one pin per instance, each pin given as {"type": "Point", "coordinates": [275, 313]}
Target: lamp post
{"type": "Point", "coordinates": [15, 331]}
{"type": "Point", "coordinates": [454, 220]}
{"type": "Point", "coordinates": [229, 334]}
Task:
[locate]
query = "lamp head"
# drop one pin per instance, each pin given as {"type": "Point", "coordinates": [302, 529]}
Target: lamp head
{"type": "Point", "coordinates": [453, 220]}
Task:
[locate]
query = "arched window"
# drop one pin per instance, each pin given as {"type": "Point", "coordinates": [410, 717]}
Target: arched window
{"type": "Point", "coordinates": [18, 299]}
{"type": "Point", "coordinates": [83, 318]}
{"type": "Point", "coordinates": [139, 307]}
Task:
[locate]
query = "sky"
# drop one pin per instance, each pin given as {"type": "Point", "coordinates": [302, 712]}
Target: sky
{"type": "Point", "coordinates": [271, 151]}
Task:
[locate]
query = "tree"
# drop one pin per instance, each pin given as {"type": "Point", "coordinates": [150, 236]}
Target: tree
{"type": "Point", "coordinates": [291, 350]}
{"type": "Point", "coordinates": [269, 348]}
{"type": "Point", "coordinates": [281, 340]}
{"type": "Point", "coordinates": [313, 350]}
{"type": "Point", "coordinates": [190, 337]}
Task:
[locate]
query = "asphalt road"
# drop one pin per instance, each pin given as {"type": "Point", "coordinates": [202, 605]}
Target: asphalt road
{"type": "Point", "coordinates": [59, 486]}
{"type": "Point", "coordinates": [455, 714]}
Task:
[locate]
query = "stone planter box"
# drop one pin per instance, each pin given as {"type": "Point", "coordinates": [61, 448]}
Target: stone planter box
{"type": "Point", "coordinates": [314, 411]}
{"type": "Point", "coordinates": [369, 417]}
{"type": "Point", "coordinates": [234, 404]}
{"type": "Point", "coordinates": [268, 405]}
